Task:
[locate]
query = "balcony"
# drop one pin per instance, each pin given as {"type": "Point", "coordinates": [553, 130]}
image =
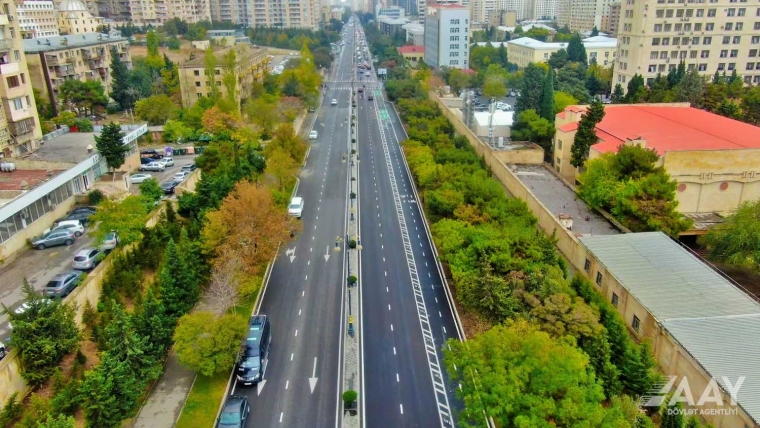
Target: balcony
{"type": "Point", "coordinates": [22, 127]}
{"type": "Point", "coordinates": [3, 20]}
{"type": "Point", "coordinates": [64, 71]}
{"type": "Point", "coordinates": [6, 44]}
{"type": "Point", "coordinates": [10, 68]}
{"type": "Point", "coordinates": [16, 115]}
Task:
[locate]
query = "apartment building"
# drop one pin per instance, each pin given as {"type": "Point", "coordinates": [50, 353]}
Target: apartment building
{"type": "Point", "coordinates": [283, 14]}
{"type": "Point", "coordinates": [611, 23]}
{"type": "Point", "coordinates": [544, 9]}
{"type": "Point", "coordinates": [481, 10]}
{"type": "Point", "coordinates": [582, 15]}
{"type": "Point", "coordinates": [85, 57]}
{"type": "Point", "coordinates": [525, 50]}
{"type": "Point", "coordinates": [37, 19]}
{"type": "Point", "coordinates": [719, 35]}
{"type": "Point", "coordinates": [155, 12]}
{"type": "Point", "coordinates": [446, 36]}
{"type": "Point", "coordinates": [232, 11]}
{"type": "Point", "coordinates": [19, 123]}
{"type": "Point", "coordinates": [251, 64]}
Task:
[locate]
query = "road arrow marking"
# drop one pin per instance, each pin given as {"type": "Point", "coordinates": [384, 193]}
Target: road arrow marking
{"type": "Point", "coordinates": [313, 378]}
{"type": "Point", "coordinates": [327, 253]}
{"type": "Point", "coordinates": [260, 387]}
{"type": "Point", "coordinates": [291, 252]}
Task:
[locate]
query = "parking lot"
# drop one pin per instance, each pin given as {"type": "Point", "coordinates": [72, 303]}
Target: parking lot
{"type": "Point", "coordinates": [167, 174]}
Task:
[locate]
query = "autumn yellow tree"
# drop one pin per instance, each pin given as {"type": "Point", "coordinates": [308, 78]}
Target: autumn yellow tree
{"type": "Point", "coordinates": [216, 121]}
{"type": "Point", "coordinates": [286, 139]}
{"type": "Point", "coordinates": [281, 167]}
{"type": "Point", "coordinates": [248, 223]}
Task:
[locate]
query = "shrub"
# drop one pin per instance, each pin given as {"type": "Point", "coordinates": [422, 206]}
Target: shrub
{"type": "Point", "coordinates": [95, 196]}
{"type": "Point", "coordinates": [349, 397]}
{"type": "Point", "coordinates": [352, 279]}
{"type": "Point", "coordinates": [352, 243]}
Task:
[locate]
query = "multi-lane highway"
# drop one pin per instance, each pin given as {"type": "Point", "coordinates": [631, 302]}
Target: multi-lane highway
{"type": "Point", "coordinates": [304, 295]}
{"type": "Point", "coordinates": [406, 315]}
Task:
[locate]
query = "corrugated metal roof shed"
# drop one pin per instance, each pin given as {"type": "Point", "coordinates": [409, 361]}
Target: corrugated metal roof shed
{"type": "Point", "coordinates": [666, 278]}
{"type": "Point", "coordinates": [715, 322]}
{"type": "Point", "coordinates": [725, 346]}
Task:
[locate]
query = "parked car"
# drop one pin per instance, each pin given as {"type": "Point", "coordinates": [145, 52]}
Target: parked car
{"type": "Point", "coordinates": [181, 175]}
{"type": "Point", "coordinates": [189, 167]}
{"type": "Point", "coordinates": [234, 413]}
{"type": "Point", "coordinates": [83, 216]}
{"type": "Point", "coordinates": [153, 166]}
{"type": "Point", "coordinates": [62, 284]}
{"type": "Point", "coordinates": [313, 135]}
{"type": "Point", "coordinates": [167, 161]}
{"type": "Point", "coordinates": [54, 238]}
{"type": "Point", "coordinates": [2, 350]}
{"type": "Point", "coordinates": [169, 186]}
{"type": "Point", "coordinates": [150, 153]}
{"type": "Point", "coordinates": [75, 226]}
{"type": "Point", "coordinates": [91, 210]}
{"type": "Point", "coordinates": [110, 241]}
{"type": "Point", "coordinates": [144, 161]}
{"type": "Point", "coordinates": [87, 258]}
{"type": "Point", "coordinates": [139, 177]}
{"type": "Point", "coordinates": [295, 208]}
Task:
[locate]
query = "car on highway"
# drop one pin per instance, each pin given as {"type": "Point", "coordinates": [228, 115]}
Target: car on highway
{"type": "Point", "coordinates": [370, 97]}
{"type": "Point", "coordinates": [234, 413]}
{"type": "Point", "coordinates": [181, 175]}
{"type": "Point", "coordinates": [367, 73]}
{"type": "Point", "coordinates": [168, 186]}
{"type": "Point", "coordinates": [87, 258]}
{"type": "Point", "coordinates": [62, 284]}
{"type": "Point", "coordinates": [189, 167]}
{"type": "Point", "coordinates": [153, 166]}
{"type": "Point", "coordinates": [295, 208]}
{"type": "Point", "coordinates": [139, 177]}
{"type": "Point", "coordinates": [53, 239]}
{"type": "Point", "coordinates": [334, 102]}
{"type": "Point", "coordinates": [253, 357]}
{"type": "Point", "coordinates": [167, 161]}
{"type": "Point", "coordinates": [313, 135]}
{"type": "Point", "coordinates": [75, 226]}
{"type": "Point", "coordinates": [110, 241]}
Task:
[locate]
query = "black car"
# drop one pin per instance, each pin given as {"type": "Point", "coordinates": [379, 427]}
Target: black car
{"type": "Point", "coordinates": [188, 167]}
{"type": "Point", "coordinates": [151, 154]}
{"type": "Point", "coordinates": [370, 97]}
{"type": "Point", "coordinates": [252, 362]}
{"type": "Point", "coordinates": [234, 413]}
{"type": "Point", "coordinates": [91, 210]}
{"type": "Point", "coordinates": [169, 186]}
{"type": "Point", "coordinates": [83, 216]}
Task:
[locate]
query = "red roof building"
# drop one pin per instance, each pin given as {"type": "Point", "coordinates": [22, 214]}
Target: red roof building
{"type": "Point", "coordinates": [716, 160]}
{"type": "Point", "coordinates": [412, 53]}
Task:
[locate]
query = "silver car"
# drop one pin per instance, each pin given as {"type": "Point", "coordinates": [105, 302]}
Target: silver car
{"type": "Point", "coordinates": [87, 258]}
{"type": "Point", "coordinates": [54, 238]}
{"type": "Point", "coordinates": [153, 166]}
{"type": "Point", "coordinates": [62, 284]}
{"type": "Point", "coordinates": [110, 241]}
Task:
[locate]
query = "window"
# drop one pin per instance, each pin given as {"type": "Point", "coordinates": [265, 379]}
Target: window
{"type": "Point", "coordinates": [614, 300]}
{"type": "Point", "coordinates": [731, 66]}
{"type": "Point", "coordinates": [695, 40]}
{"type": "Point", "coordinates": [454, 38]}
{"type": "Point", "coordinates": [660, 13]}
{"type": "Point", "coordinates": [674, 54]}
{"type": "Point", "coordinates": [636, 323]}
{"type": "Point", "coordinates": [454, 62]}
{"type": "Point", "coordinates": [739, 26]}
{"type": "Point", "coordinates": [199, 95]}
{"type": "Point", "coordinates": [679, 13]}
{"type": "Point", "coordinates": [692, 54]}
{"type": "Point", "coordinates": [752, 53]}
{"type": "Point", "coordinates": [700, 13]}
{"type": "Point", "coordinates": [18, 103]}
{"type": "Point", "coordinates": [724, 53]}
{"type": "Point", "coordinates": [197, 72]}
{"type": "Point", "coordinates": [702, 67]}
{"type": "Point", "coordinates": [657, 28]}
{"type": "Point", "coordinates": [726, 40]}
{"type": "Point", "coordinates": [12, 81]}
{"type": "Point", "coordinates": [587, 265]}
{"type": "Point", "coordinates": [652, 68]}
{"type": "Point", "coordinates": [197, 84]}
{"type": "Point", "coordinates": [710, 12]}
{"type": "Point", "coordinates": [729, 26]}
{"type": "Point", "coordinates": [665, 41]}
{"type": "Point", "coordinates": [454, 22]}
{"type": "Point", "coordinates": [455, 54]}
{"type": "Point", "coordinates": [677, 27]}
{"type": "Point", "coordinates": [23, 78]}
{"type": "Point", "coordinates": [697, 27]}
{"type": "Point", "coordinates": [736, 40]}
{"type": "Point", "coordinates": [721, 66]}
{"type": "Point", "coordinates": [669, 13]}
{"type": "Point", "coordinates": [664, 55]}
{"type": "Point", "coordinates": [704, 54]}
{"type": "Point", "coordinates": [730, 11]}
{"type": "Point", "coordinates": [750, 66]}
{"type": "Point", "coordinates": [599, 278]}
{"type": "Point", "coordinates": [689, 13]}
{"type": "Point", "coordinates": [741, 12]}
{"type": "Point", "coordinates": [653, 55]}
{"type": "Point", "coordinates": [668, 27]}
{"type": "Point", "coordinates": [709, 26]}
{"type": "Point", "coordinates": [734, 53]}
{"type": "Point", "coordinates": [455, 30]}
{"type": "Point", "coordinates": [757, 25]}
{"type": "Point", "coordinates": [454, 46]}
{"type": "Point", "coordinates": [755, 40]}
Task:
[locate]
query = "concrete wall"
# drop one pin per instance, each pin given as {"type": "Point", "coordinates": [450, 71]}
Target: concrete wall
{"type": "Point", "coordinates": [531, 154]}
{"type": "Point", "coordinates": [189, 184]}
{"type": "Point", "coordinates": [672, 358]}
{"type": "Point", "coordinates": [89, 291]}
{"type": "Point", "coordinates": [20, 240]}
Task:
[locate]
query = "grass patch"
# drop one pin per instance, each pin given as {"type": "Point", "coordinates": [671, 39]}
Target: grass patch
{"type": "Point", "coordinates": [206, 396]}
{"type": "Point", "coordinates": [203, 401]}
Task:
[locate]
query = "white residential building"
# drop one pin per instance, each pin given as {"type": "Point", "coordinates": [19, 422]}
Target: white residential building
{"type": "Point", "coordinates": [583, 15]}
{"type": "Point", "coordinates": [446, 36]}
{"type": "Point", "coordinates": [545, 9]}
{"type": "Point", "coordinates": [523, 51]}
{"type": "Point", "coordinates": [37, 19]}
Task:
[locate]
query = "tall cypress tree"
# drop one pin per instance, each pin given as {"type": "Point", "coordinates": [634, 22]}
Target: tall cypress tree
{"type": "Point", "coordinates": [585, 136]}
{"type": "Point", "coordinates": [547, 97]}
{"type": "Point", "coordinates": [110, 144]}
{"type": "Point", "coordinates": [576, 52]}
{"type": "Point", "coordinates": [120, 84]}
{"type": "Point", "coordinates": [532, 89]}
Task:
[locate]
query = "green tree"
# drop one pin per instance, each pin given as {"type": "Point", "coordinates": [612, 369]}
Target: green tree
{"type": "Point", "coordinates": [150, 321]}
{"type": "Point", "coordinates": [120, 81]}
{"type": "Point", "coordinates": [208, 344]}
{"type": "Point", "coordinates": [636, 90]}
{"type": "Point", "coordinates": [532, 127]}
{"type": "Point", "coordinates": [209, 64]}
{"type": "Point", "coordinates": [123, 344]}
{"type": "Point", "coordinates": [576, 52]}
{"type": "Point", "coordinates": [86, 97]}
{"type": "Point", "coordinates": [494, 88]}
{"type": "Point", "coordinates": [154, 60]}
{"type": "Point", "coordinates": [617, 95]}
{"type": "Point", "coordinates": [650, 204]}
{"type": "Point", "coordinates": [156, 110]}
{"type": "Point", "coordinates": [600, 183]}
{"type": "Point", "coordinates": [563, 100]}
{"type": "Point", "coordinates": [689, 88]}
{"type": "Point", "coordinates": [729, 109]}
{"type": "Point", "coordinates": [111, 146]}
{"type": "Point", "coordinates": [585, 136]}
{"type": "Point", "coordinates": [110, 392]}
{"type": "Point", "coordinates": [751, 105]}
{"type": "Point", "coordinates": [151, 190]}
{"type": "Point", "coordinates": [547, 98]}
{"type": "Point", "coordinates": [532, 89]}
{"type": "Point", "coordinates": [176, 131]}
{"type": "Point", "coordinates": [179, 287]}
{"type": "Point", "coordinates": [515, 373]}
{"type": "Point", "coordinates": [229, 79]}
{"type": "Point", "coordinates": [672, 416]}
{"type": "Point", "coordinates": [58, 421]}
{"type": "Point", "coordinates": [43, 334]}
{"type": "Point", "coordinates": [127, 218]}
{"type": "Point", "coordinates": [634, 161]}
{"type": "Point", "coordinates": [558, 59]}
{"type": "Point", "coordinates": [737, 239]}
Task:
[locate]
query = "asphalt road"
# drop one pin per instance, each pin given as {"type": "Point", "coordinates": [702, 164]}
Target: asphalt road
{"type": "Point", "coordinates": [304, 295]}
{"type": "Point", "coordinates": [406, 315]}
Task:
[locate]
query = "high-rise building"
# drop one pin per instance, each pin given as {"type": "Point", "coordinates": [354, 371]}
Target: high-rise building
{"type": "Point", "coordinates": [19, 123]}
{"type": "Point", "coordinates": [719, 36]}
{"type": "Point", "coordinates": [523, 8]}
{"type": "Point", "coordinates": [232, 11]}
{"type": "Point", "coordinates": [37, 19]}
{"type": "Point", "coordinates": [276, 13]}
{"type": "Point", "coordinates": [544, 9]}
{"type": "Point", "coordinates": [582, 15]}
{"type": "Point", "coordinates": [155, 12]}
{"type": "Point", "coordinates": [481, 10]}
{"type": "Point", "coordinates": [446, 36]}
{"type": "Point", "coordinates": [613, 20]}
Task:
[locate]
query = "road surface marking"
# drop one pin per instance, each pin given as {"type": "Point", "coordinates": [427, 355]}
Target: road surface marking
{"type": "Point", "coordinates": [428, 274]}
{"type": "Point", "coordinates": [287, 383]}
{"type": "Point", "coordinates": [299, 312]}
{"type": "Point", "coordinates": [381, 235]}
{"type": "Point", "coordinates": [383, 259]}
{"type": "Point", "coordinates": [423, 254]}
{"type": "Point", "coordinates": [311, 249]}
{"type": "Point", "coordinates": [425, 263]}
{"type": "Point", "coordinates": [401, 406]}
{"type": "Point", "coordinates": [291, 357]}
{"type": "Point", "coordinates": [389, 307]}
{"type": "Point", "coordinates": [398, 380]}
{"type": "Point", "coordinates": [439, 314]}
{"type": "Point", "coordinates": [444, 330]}
{"type": "Point", "coordinates": [281, 413]}
{"type": "Point", "coordinates": [296, 332]}
{"type": "Point", "coordinates": [391, 327]}
{"type": "Point", "coordinates": [307, 278]}
{"type": "Point", "coordinates": [394, 350]}
{"type": "Point", "coordinates": [386, 272]}
{"type": "Point", "coordinates": [382, 247]}
{"type": "Point", "coordinates": [386, 290]}
{"type": "Point", "coordinates": [303, 293]}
